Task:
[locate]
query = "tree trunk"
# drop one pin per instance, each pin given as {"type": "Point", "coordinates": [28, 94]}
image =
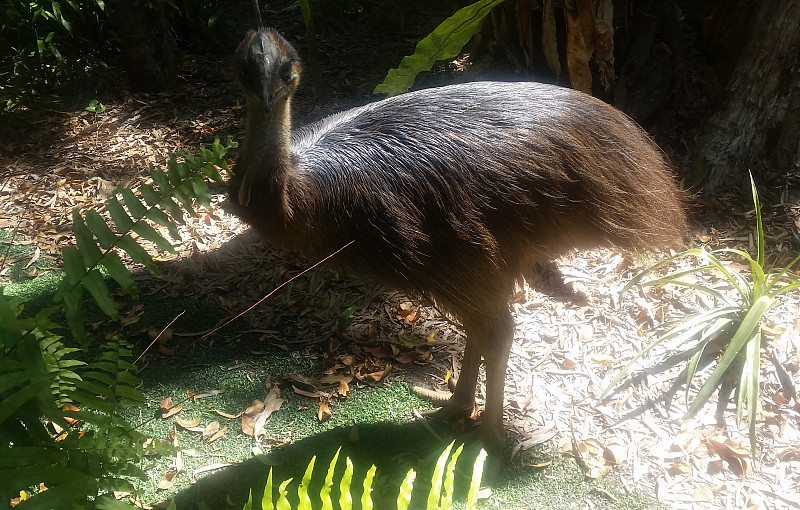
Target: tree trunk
{"type": "Point", "coordinates": [757, 126]}
{"type": "Point", "coordinates": [146, 46]}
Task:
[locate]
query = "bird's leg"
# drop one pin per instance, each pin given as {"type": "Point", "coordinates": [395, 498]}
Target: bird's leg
{"type": "Point", "coordinates": [462, 402]}
{"type": "Point", "coordinates": [495, 348]}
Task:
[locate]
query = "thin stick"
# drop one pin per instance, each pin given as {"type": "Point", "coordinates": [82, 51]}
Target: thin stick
{"type": "Point", "coordinates": [159, 336]}
{"type": "Point", "coordinates": [276, 289]}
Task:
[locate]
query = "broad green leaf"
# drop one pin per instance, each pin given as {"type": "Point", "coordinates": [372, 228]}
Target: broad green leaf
{"type": "Point", "coordinates": [283, 503]}
{"type": "Point", "coordinates": [135, 207]}
{"type": "Point", "coordinates": [90, 253]}
{"type": "Point", "coordinates": [20, 391]}
{"type": "Point", "coordinates": [97, 225]}
{"type": "Point", "coordinates": [72, 309]}
{"type": "Point", "coordinates": [161, 179]}
{"type": "Point", "coordinates": [96, 285]}
{"type": "Point", "coordinates": [759, 224]}
{"type": "Point", "coordinates": [752, 389]}
{"type": "Point", "coordinates": [119, 215]}
{"type": "Point", "coordinates": [248, 504]}
{"type": "Point", "coordinates": [447, 497]}
{"type": "Point", "coordinates": [438, 474]}
{"type": "Point", "coordinates": [475, 484]}
{"type": "Point", "coordinates": [150, 195]}
{"type": "Point", "coordinates": [160, 218]}
{"type": "Point", "coordinates": [210, 171]}
{"type": "Point", "coordinates": [138, 254]}
{"type": "Point", "coordinates": [305, 9]}
{"type": "Point", "coordinates": [743, 334]}
{"type": "Point", "coordinates": [152, 235]}
{"type": "Point", "coordinates": [74, 268]}
{"type": "Point", "coordinates": [117, 270]}
{"type": "Point", "coordinates": [446, 41]}
{"type": "Point", "coordinates": [325, 492]}
{"type": "Point", "coordinates": [266, 499]}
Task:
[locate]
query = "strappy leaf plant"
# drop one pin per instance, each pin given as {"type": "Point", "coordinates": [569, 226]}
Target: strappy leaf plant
{"type": "Point", "coordinates": [440, 496]}
{"type": "Point", "coordinates": [729, 332]}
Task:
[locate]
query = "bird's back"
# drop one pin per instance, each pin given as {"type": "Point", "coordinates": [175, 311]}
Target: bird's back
{"type": "Point", "coordinates": [456, 190]}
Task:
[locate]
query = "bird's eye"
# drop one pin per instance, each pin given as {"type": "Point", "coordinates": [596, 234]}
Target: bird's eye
{"type": "Point", "coordinates": [285, 71]}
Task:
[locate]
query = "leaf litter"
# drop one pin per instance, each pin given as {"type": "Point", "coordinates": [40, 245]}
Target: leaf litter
{"type": "Point", "coordinates": [574, 331]}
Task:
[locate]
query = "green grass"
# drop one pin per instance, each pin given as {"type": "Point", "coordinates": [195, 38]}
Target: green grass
{"type": "Point", "coordinates": [373, 425]}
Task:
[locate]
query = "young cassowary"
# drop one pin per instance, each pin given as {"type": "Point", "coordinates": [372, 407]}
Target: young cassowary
{"type": "Point", "coordinates": [449, 192]}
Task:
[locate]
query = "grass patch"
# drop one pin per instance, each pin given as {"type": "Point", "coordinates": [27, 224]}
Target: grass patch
{"type": "Point", "coordinates": [373, 425]}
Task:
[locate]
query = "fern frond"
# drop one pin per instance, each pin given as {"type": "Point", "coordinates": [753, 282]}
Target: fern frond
{"type": "Point", "coordinates": [96, 242]}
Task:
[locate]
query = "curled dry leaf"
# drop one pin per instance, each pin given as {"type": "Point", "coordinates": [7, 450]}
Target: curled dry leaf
{"type": "Point", "coordinates": [191, 425]}
{"type": "Point", "coordinates": [71, 421]}
{"type": "Point", "coordinates": [168, 479]}
{"type": "Point", "coordinates": [217, 435]}
{"type": "Point", "coordinates": [224, 414]}
{"type": "Point", "coordinates": [210, 429]}
{"type": "Point", "coordinates": [324, 411]}
{"type": "Point", "coordinates": [344, 388]}
{"type": "Point", "coordinates": [311, 394]}
{"type": "Point", "coordinates": [167, 409]}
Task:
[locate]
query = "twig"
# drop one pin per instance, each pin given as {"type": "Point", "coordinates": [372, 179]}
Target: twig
{"type": "Point", "coordinates": [276, 289]}
{"type": "Point", "coordinates": [159, 336]}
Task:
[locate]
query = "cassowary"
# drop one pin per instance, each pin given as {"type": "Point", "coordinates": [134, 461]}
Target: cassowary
{"type": "Point", "coordinates": [449, 192]}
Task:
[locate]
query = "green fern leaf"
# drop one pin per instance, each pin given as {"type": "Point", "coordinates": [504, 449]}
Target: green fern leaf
{"type": "Point", "coordinates": [89, 251]}
{"type": "Point", "coordinates": [138, 254]}
{"type": "Point", "coordinates": [136, 208]}
{"type": "Point", "coordinates": [117, 270]}
{"type": "Point", "coordinates": [149, 233]}
{"type": "Point", "coordinates": [119, 216]}
{"type": "Point", "coordinates": [97, 225]}
{"type": "Point", "coordinates": [96, 285]}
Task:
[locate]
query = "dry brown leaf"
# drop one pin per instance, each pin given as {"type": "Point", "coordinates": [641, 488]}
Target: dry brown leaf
{"type": "Point", "coordinates": [324, 411]}
{"type": "Point", "coordinates": [210, 429]}
{"type": "Point", "coordinates": [549, 39]}
{"type": "Point", "coordinates": [168, 479]}
{"type": "Point", "coordinates": [224, 414]}
{"type": "Point", "coordinates": [71, 421]}
{"type": "Point", "coordinates": [211, 393]}
{"type": "Point", "coordinates": [703, 493]}
{"type": "Point", "coordinates": [189, 424]}
{"type": "Point", "coordinates": [344, 388]}
{"type": "Point", "coordinates": [167, 409]}
{"type": "Point", "coordinates": [253, 409]}
{"type": "Point", "coordinates": [248, 425]}
{"type": "Point", "coordinates": [311, 394]}
{"type": "Point", "coordinates": [217, 435]}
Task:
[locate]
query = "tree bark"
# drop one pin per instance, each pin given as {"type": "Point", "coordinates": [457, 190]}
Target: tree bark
{"type": "Point", "coordinates": [149, 63]}
{"type": "Point", "coordinates": [757, 126]}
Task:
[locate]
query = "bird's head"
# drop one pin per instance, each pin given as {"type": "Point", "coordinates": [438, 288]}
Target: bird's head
{"type": "Point", "coordinates": [267, 67]}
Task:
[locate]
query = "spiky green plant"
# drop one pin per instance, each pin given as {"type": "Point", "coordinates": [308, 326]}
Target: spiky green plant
{"type": "Point", "coordinates": [440, 496]}
{"type": "Point", "coordinates": [730, 331]}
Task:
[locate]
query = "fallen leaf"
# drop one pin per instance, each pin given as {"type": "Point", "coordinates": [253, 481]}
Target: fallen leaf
{"type": "Point", "coordinates": [210, 429]}
{"type": "Point", "coordinates": [324, 411]}
{"type": "Point", "coordinates": [217, 435]}
{"type": "Point", "coordinates": [167, 409]}
{"type": "Point", "coordinates": [168, 479]}
{"type": "Point", "coordinates": [344, 388]}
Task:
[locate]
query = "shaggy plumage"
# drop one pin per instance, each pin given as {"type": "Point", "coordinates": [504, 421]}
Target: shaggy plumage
{"type": "Point", "coordinates": [452, 192]}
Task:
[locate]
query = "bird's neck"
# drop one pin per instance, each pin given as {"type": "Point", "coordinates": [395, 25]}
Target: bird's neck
{"type": "Point", "coordinates": [267, 149]}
